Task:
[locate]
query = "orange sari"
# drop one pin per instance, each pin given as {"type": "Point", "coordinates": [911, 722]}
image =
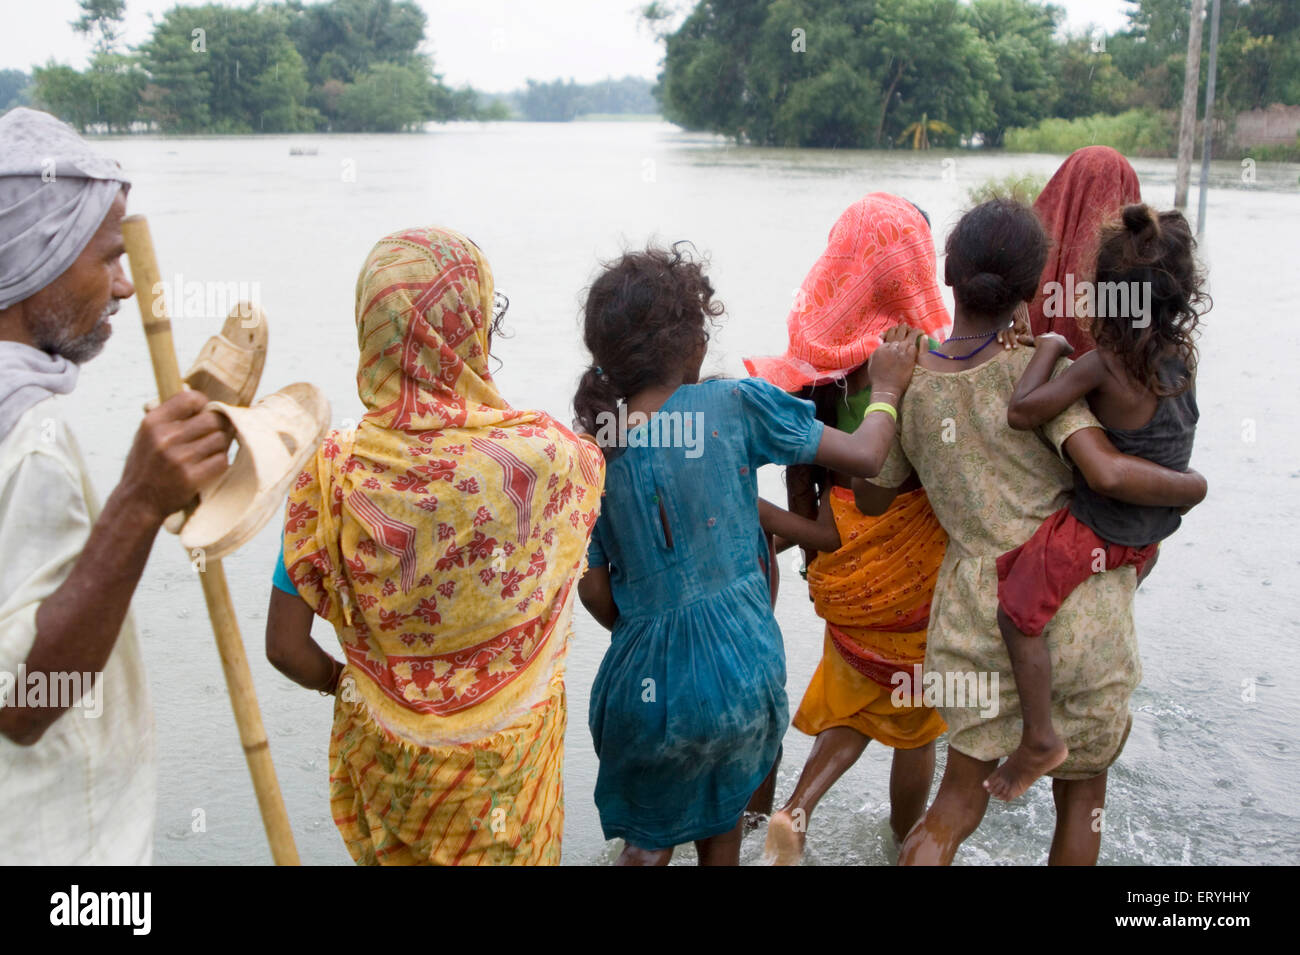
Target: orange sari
{"type": "Point", "coordinates": [874, 594]}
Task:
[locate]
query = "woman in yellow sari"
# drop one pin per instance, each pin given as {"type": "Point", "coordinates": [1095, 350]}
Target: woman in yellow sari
{"type": "Point", "coordinates": [873, 578]}
{"type": "Point", "coordinates": [442, 540]}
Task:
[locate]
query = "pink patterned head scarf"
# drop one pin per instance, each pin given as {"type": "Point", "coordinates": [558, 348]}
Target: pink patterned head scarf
{"type": "Point", "coordinates": [878, 271]}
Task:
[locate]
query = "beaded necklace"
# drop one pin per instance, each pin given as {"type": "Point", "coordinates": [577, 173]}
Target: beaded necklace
{"type": "Point", "coordinates": [965, 338]}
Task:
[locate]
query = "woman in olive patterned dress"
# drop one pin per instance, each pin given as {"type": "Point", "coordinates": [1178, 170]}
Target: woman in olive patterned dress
{"type": "Point", "coordinates": [991, 487]}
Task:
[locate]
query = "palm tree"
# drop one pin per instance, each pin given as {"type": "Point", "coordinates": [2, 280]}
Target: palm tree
{"type": "Point", "coordinates": [920, 131]}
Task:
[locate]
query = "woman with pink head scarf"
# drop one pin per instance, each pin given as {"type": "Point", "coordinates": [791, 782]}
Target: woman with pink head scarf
{"type": "Point", "coordinates": [878, 271]}
{"type": "Point", "coordinates": [870, 578]}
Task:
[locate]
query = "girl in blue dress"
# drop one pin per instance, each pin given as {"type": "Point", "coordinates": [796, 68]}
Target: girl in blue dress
{"type": "Point", "coordinates": [689, 707]}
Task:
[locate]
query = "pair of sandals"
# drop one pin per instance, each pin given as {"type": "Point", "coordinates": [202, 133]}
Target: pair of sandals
{"type": "Point", "coordinates": [277, 434]}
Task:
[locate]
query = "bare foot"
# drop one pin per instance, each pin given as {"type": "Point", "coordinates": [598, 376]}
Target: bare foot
{"type": "Point", "coordinates": [785, 839]}
{"type": "Point", "coordinates": [894, 846]}
{"type": "Point", "coordinates": [1024, 766]}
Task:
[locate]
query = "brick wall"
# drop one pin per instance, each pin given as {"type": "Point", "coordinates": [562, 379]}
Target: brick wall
{"type": "Point", "coordinates": [1267, 127]}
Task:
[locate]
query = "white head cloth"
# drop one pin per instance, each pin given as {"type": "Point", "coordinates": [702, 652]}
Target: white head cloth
{"type": "Point", "coordinates": [54, 193]}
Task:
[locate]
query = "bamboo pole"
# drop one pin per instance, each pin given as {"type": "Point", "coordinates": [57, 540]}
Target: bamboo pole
{"type": "Point", "coordinates": [230, 645]}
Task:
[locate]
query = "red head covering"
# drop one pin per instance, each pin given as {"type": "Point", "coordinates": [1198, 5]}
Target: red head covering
{"type": "Point", "coordinates": [877, 271]}
{"type": "Point", "coordinates": [1091, 186]}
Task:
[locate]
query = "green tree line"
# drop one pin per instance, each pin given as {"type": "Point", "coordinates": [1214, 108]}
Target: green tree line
{"type": "Point", "coordinates": [348, 65]}
{"type": "Point", "coordinates": [876, 73]}
{"type": "Point", "coordinates": [15, 89]}
{"type": "Point", "coordinates": [560, 101]}
{"type": "Point", "coordinates": [342, 65]}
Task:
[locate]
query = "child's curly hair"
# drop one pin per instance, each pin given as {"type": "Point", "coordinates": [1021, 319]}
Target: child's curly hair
{"type": "Point", "coordinates": [1159, 251]}
{"type": "Point", "coordinates": [645, 312]}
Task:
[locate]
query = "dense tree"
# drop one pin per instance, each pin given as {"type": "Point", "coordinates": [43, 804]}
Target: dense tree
{"type": "Point", "coordinates": [1089, 82]}
{"type": "Point", "coordinates": [101, 20]}
{"type": "Point", "coordinates": [706, 77]}
{"type": "Point", "coordinates": [342, 39]}
{"type": "Point", "coordinates": [1021, 38]}
{"type": "Point", "coordinates": [1259, 55]}
{"type": "Point", "coordinates": [271, 67]}
{"type": "Point", "coordinates": [807, 65]}
{"type": "Point", "coordinates": [1259, 52]}
{"type": "Point", "coordinates": [279, 93]}
{"type": "Point", "coordinates": [387, 98]}
{"type": "Point", "coordinates": [228, 70]}
{"type": "Point", "coordinates": [846, 73]}
{"type": "Point", "coordinates": [116, 82]}
{"type": "Point", "coordinates": [560, 101]}
{"type": "Point", "coordinates": [858, 72]}
{"type": "Point", "coordinates": [179, 95]}
{"type": "Point", "coordinates": [14, 86]}
{"type": "Point", "coordinates": [556, 102]}
{"type": "Point", "coordinates": [800, 72]}
{"type": "Point", "coordinates": [631, 94]}
{"type": "Point", "coordinates": [349, 43]}
{"type": "Point", "coordinates": [64, 92]}
{"type": "Point", "coordinates": [105, 96]}
{"type": "Point", "coordinates": [937, 65]}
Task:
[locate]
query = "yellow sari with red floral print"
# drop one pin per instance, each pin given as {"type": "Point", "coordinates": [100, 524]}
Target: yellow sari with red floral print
{"type": "Point", "coordinates": [443, 539]}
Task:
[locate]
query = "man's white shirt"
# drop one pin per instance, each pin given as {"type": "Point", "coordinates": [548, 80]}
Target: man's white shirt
{"type": "Point", "coordinates": [85, 793]}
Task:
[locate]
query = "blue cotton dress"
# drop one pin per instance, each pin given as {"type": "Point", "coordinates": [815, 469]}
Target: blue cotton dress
{"type": "Point", "coordinates": [689, 708]}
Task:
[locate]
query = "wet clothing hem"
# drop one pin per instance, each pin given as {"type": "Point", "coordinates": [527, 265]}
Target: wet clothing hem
{"type": "Point", "coordinates": [634, 837]}
{"type": "Point", "coordinates": [810, 727]}
{"type": "Point", "coordinates": [1074, 775]}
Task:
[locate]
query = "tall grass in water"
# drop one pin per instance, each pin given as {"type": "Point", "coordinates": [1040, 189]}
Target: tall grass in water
{"type": "Point", "coordinates": [1022, 187]}
{"type": "Point", "coordinates": [1134, 133]}
{"type": "Point", "coordinates": [1277, 152]}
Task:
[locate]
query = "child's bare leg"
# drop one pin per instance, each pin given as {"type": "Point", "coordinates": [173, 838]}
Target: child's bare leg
{"type": "Point", "coordinates": [1040, 750]}
{"type": "Point", "coordinates": [760, 804]}
{"type": "Point", "coordinates": [1079, 805]}
{"type": "Point", "coordinates": [955, 813]}
{"type": "Point", "coordinates": [834, 751]}
{"type": "Point", "coordinates": [723, 849]}
{"type": "Point", "coordinates": [631, 855]}
{"type": "Point", "coordinates": [910, 776]}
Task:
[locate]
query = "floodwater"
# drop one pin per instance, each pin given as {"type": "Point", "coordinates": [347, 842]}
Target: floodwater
{"type": "Point", "coordinates": [1210, 773]}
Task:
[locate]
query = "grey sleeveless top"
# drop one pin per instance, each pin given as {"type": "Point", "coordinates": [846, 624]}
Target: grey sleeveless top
{"type": "Point", "coordinates": [1167, 440]}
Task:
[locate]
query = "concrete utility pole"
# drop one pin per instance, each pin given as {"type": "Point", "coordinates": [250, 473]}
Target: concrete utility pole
{"type": "Point", "coordinates": [1207, 146]}
{"type": "Point", "coordinates": [1187, 124]}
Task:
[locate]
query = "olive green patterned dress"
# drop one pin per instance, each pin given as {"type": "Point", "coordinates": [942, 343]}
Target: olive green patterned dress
{"type": "Point", "coordinates": [990, 488]}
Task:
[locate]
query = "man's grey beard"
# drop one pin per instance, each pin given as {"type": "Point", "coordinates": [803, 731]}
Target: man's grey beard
{"type": "Point", "coordinates": [51, 331]}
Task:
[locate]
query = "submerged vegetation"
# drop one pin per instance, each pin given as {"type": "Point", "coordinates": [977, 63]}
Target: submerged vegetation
{"type": "Point", "coordinates": [862, 73]}
{"type": "Point", "coordinates": [1022, 187]}
{"type": "Point", "coordinates": [1134, 133]}
{"type": "Point", "coordinates": [287, 67]}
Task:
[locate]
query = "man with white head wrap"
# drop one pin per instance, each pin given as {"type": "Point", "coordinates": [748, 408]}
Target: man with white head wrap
{"type": "Point", "coordinates": [77, 763]}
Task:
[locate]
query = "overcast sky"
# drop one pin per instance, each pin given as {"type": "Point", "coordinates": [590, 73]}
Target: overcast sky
{"type": "Point", "coordinates": [493, 45]}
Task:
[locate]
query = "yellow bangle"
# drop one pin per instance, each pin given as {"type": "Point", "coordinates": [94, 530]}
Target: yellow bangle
{"type": "Point", "coordinates": [882, 406]}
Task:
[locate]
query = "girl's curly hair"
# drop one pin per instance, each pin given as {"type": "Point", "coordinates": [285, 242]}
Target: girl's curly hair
{"type": "Point", "coordinates": [1156, 251]}
{"type": "Point", "coordinates": [645, 312]}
